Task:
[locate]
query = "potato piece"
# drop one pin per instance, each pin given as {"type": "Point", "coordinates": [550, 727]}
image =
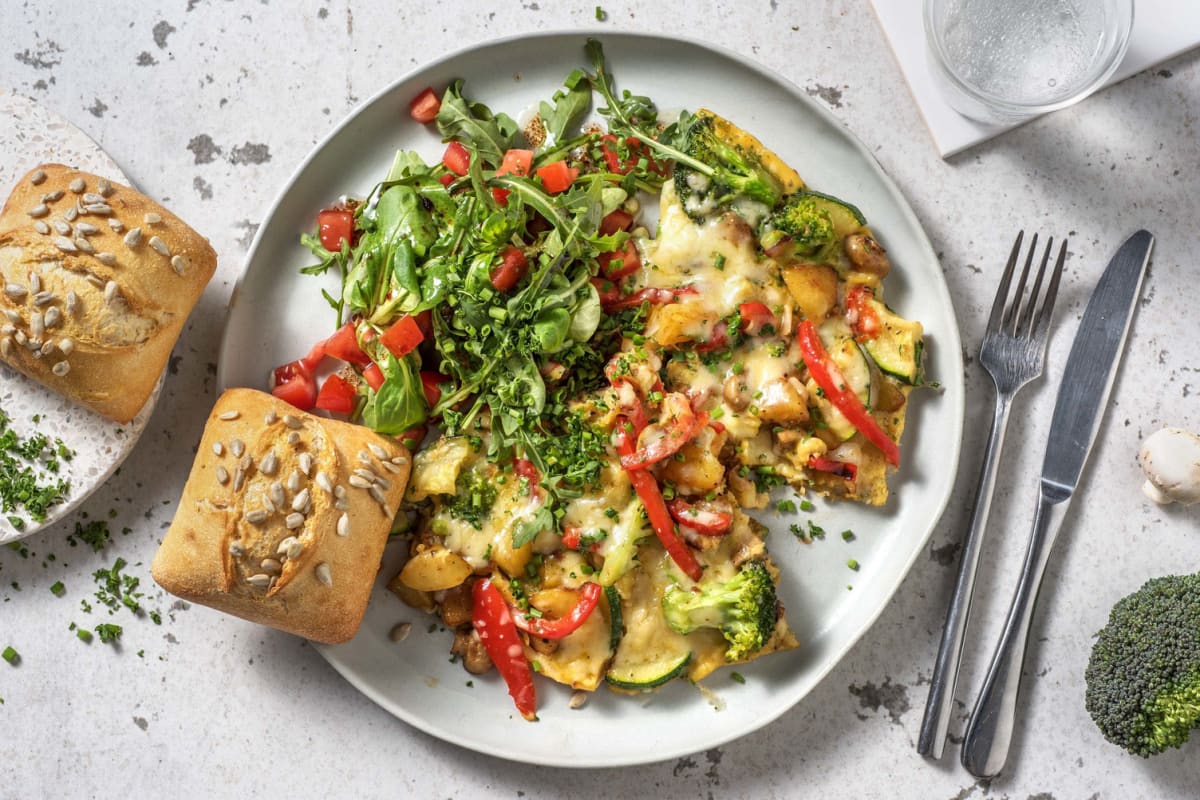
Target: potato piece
{"type": "Point", "coordinates": [434, 570]}
{"type": "Point", "coordinates": [814, 288]}
{"type": "Point", "coordinates": [422, 601]}
{"type": "Point", "coordinates": [685, 321]}
{"type": "Point", "coordinates": [784, 401]}
{"type": "Point", "coordinates": [435, 470]}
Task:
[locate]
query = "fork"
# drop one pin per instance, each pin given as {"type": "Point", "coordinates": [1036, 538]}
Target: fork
{"type": "Point", "coordinates": [1014, 354]}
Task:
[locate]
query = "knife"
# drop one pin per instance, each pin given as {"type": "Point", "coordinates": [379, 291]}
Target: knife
{"type": "Point", "coordinates": [1082, 398]}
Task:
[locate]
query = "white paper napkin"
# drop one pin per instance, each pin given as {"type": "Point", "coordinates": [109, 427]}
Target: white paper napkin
{"type": "Point", "coordinates": [1162, 29]}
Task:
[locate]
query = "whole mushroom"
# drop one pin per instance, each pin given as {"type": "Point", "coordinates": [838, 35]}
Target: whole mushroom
{"type": "Point", "coordinates": [1171, 460]}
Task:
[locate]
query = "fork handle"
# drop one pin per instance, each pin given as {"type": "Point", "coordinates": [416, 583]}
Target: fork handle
{"type": "Point", "coordinates": [940, 704]}
{"type": "Point", "coordinates": [989, 731]}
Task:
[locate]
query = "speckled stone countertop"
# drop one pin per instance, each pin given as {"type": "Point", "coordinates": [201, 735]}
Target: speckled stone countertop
{"type": "Point", "coordinates": [209, 105]}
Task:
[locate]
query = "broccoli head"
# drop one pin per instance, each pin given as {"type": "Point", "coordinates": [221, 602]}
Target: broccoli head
{"type": "Point", "coordinates": [716, 172]}
{"type": "Point", "coordinates": [743, 608]}
{"type": "Point", "coordinates": [1143, 679]}
{"type": "Point", "coordinates": [802, 221]}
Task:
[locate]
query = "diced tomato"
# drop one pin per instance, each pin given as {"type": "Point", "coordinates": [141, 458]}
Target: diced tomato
{"type": "Point", "coordinates": [650, 295]}
{"type": "Point", "coordinates": [425, 322]}
{"type": "Point", "coordinates": [755, 317]}
{"type": "Point", "coordinates": [864, 322]}
{"type": "Point", "coordinates": [557, 176]}
{"type": "Point", "coordinates": [500, 195]}
{"type": "Point", "coordinates": [570, 537]}
{"type": "Point", "coordinates": [445, 179]}
{"type": "Point", "coordinates": [636, 150]}
{"type": "Point", "coordinates": [293, 383]}
{"type": "Point", "coordinates": [704, 516]}
{"type": "Point", "coordinates": [618, 220]}
{"type": "Point", "coordinates": [402, 337]}
{"type": "Point", "coordinates": [608, 291]}
{"type": "Point", "coordinates": [842, 469]}
{"type": "Point", "coordinates": [664, 438]}
{"type": "Point", "coordinates": [526, 469]}
{"type": "Point", "coordinates": [618, 264]}
{"type": "Point", "coordinates": [718, 339]}
{"type": "Point", "coordinates": [336, 395]}
{"type": "Point", "coordinates": [456, 159]}
{"type": "Point", "coordinates": [429, 384]}
{"type": "Point", "coordinates": [374, 376]}
{"type": "Point", "coordinates": [413, 437]}
{"type": "Point", "coordinates": [512, 267]}
{"type": "Point", "coordinates": [313, 359]}
{"type": "Point", "coordinates": [336, 226]}
{"type": "Point", "coordinates": [425, 106]}
{"type": "Point", "coordinates": [344, 345]}
{"type": "Point", "coordinates": [516, 162]}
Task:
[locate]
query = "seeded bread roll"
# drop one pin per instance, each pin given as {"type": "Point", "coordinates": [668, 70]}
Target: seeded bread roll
{"type": "Point", "coordinates": [284, 517]}
{"type": "Point", "coordinates": [98, 280]}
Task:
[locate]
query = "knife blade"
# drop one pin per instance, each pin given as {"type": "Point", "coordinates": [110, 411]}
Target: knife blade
{"type": "Point", "coordinates": [1082, 397]}
{"type": "Point", "coordinates": [1092, 365]}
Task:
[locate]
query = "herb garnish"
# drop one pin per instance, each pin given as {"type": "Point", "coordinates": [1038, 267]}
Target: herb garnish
{"type": "Point", "coordinates": [26, 469]}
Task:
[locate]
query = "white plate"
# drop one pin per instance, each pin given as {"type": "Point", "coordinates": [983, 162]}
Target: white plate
{"type": "Point", "coordinates": [30, 135]}
{"type": "Point", "coordinates": [275, 314]}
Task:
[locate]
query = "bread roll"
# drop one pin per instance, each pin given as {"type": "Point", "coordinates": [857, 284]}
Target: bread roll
{"type": "Point", "coordinates": [284, 517]}
{"type": "Point", "coordinates": [97, 280]}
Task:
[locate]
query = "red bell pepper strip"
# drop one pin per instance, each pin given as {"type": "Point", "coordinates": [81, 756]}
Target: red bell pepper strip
{"type": "Point", "coordinates": [756, 316]}
{"type": "Point", "coordinates": [861, 316]}
{"type": "Point", "coordinates": [650, 294]}
{"type": "Point", "coordinates": [842, 469]}
{"type": "Point", "coordinates": [493, 622]}
{"type": "Point", "coordinates": [589, 598]}
{"type": "Point", "coordinates": [830, 379]}
{"type": "Point", "coordinates": [703, 516]}
{"type": "Point", "coordinates": [664, 438]}
{"type": "Point", "coordinates": [656, 510]}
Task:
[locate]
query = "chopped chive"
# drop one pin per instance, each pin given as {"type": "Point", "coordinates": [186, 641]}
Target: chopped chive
{"type": "Point", "coordinates": [847, 536]}
{"type": "Point", "coordinates": [10, 655]}
{"type": "Point", "coordinates": [84, 635]}
{"type": "Point", "coordinates": [852, 564]}
{"type": "Point", "coordinates": [807, 505]}
{"type": "Point", "coordinates": [58, 590]}
{"type": "Point", "coordinates": [737, 677]}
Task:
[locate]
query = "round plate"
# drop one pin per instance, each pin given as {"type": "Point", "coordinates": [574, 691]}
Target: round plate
{"type": "Point", "coordinates": [32, 135]}
{"type": "Point", "coordinates": [275, 314]}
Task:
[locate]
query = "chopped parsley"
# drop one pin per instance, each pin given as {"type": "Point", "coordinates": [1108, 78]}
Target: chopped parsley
{"type": "Point", "coordinates": [108, 632]}
{"type": "Point", "coordinates": [95, 534]}
{"type": "Point", "coordinates": [58, 590]}
{"type": "Point", "coordinates": [785, 507]}
{"type": "Point", "coordinates": [28, 470]}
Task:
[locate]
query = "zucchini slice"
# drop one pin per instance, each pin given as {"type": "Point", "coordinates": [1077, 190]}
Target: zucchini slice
{"type": "Point", "coordinates": [897, 348]}
{"type": "Point", "coordinates": [616, 623]}
{"type": "Point", "coordinates": [643, 674]}
{"type": "Point", "coordinates": [846, 218]}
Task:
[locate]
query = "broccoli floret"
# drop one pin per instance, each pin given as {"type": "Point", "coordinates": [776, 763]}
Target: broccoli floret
{"type": "Point", "coordinates": [801, 222]}
{"type": "Point", "coordinates": [743, 608]}
{"type": "Point", "coordinates": [716, 173]}
{"type": "Point", "coordinates": [1143, 679]}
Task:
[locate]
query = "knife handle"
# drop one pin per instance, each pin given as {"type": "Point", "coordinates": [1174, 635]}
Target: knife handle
{"type": "Point", "coordinates": [989, 731]}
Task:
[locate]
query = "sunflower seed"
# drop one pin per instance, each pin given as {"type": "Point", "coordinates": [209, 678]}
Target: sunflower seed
{"type": "Point", "coordinates": [218, 449]}
{"type": "Point", "coordinates": [276, 493]}
{"type": "Point", "coordinates": [46, 349]}
{"type": "Point", "coordinates": [287, 542]}
{"type": "Point", "coordinates": [95, 280]}
{"type": "Point", "coordinates": [294, 520]}
{"type": "Point", "coordinates": [77, 185]}
{"type": "Point", "coordinates": [387, 511]}
{"type": "Point", "coordinates": [15, 290]}
{"type": "Point", "coordinates": [292, 421]}
{"type": "Point", "coordinates": [256, 517]}
{"type": "Point", "coordinates": [6, 346]}
{"type": "Point", "coordinates": [8, 330]}
{"type": "Point", "coordinates": [92, 197]}
{"type": "Point", "coordinates": [324, 482]}
{"type": "Point", "coordinates": [110, 292]}
{"type": "Point", "coordinates": [378, 451]}
{"type": "Point", "coordinates": [61, 226]}
{"type": "Point", "coordinates": [231, 414]}
{"type": "Point", "coordinates": [342, 505]}
{"type": "Point", "coordinates": [306, 463]}
{"type": "Point", "coordinates": [67, 346]}
{"type": "Point", "coordinates": [40, 210]}
{"type": "Point", "coordinates": [246, 463]}
{"type": "Point", "coordinates": [293, 438]}
{"type": "Point", "coordinates": [400, 632]}
{"type": "Point", "coordinates": [578, 699]}
{"type": "Point", "coordinates": [343, 525]}
{"type": "Point", "coordinates": [20, 338]}
{"type": "Point", "coordinates": [270, 507]}
{"type": "Point", "coordinates": [159, 246]}
{"type": "Point", "coordinates": [390, 467]}
{"type": "Point", "coordinates": [86, 229]}
{"type": "Point", "coordinates": [239, 479]}
{"type": "Point", "coordinates": [65, 244]}
{"type": "Point", "coordinates": [107, 259]}
{"type": "Point", "coordinates": [37, 177]}
{"type": "Point", "coordinates": [222, 475]}
{"type": "Point", "coordinates": [84, 246]}
{"type": "Point", "coordinates": [270, 565]}
{"type": "Point", "coordinates": [300, 501]}
{"type": "Point", "coordinates": [61, 369]}
{"type": "Point", "coordinates": [236, 549]}
{"type": "Point", "coordinates": [295, 549]}
{"type": "Point", "coordinates": [401, 460]}
{"type": "Point", "coordinates": [133, 237]}
{"type": "Point", "coordinates": [44, 298]}
{"type": "Point", "coordinates": [179, 264]}
{"type": "Point", "coordinates": [293, 482]}
{"type": "Point", "coordinates": [13, 316]}
{"type": "Point", "coordinates": [364, 458]}
{"type": "Point", "coordinates": [323, 574]}
{"type": "Point", "coordinates": [99, 209]}
{"type": "Point", "coordinates": [152, 218]}
{"type": "Point", "coordinates": [378, 496]}
{"type": "Point", "coordinates": [37, 325]}
{"type": "Point", "coordinates": [104, 187]}
{"type": "Point", "coordinates": [359, 482]}
{"type": "Point", "coordinates": [116, 224]}
{"type": "Point", "coordinates": [383, 483]}
{"type": "Point", "coordinates": [259, 579]}
{"type": "Point", "coordinates": [41, 227]}
{"type": "Point", "coordinates": [366, 474]}
{"type": "Point", "coordinates": [339, 492]}
{"type": "Point", "coordinates": [237, 448]}
{"type": "Point", "coordinates": [270, 418]}
{"type": "Point", "coordinates": [71, 213]}
{"type": "Point", "coordinates": [53, 316]}
{"type": "Point", "coordinates": [268, 464]}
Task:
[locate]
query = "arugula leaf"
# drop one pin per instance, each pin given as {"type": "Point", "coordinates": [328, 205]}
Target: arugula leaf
{"type": "Point", "coordinates": [566, 108]}
{"type": "Point", "coordinates": [488, 134]}
{"type": "Point", "coordinates": [527, 530]}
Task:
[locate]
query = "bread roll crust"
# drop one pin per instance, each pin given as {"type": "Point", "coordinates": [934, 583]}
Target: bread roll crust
{"type": "Point", "coordinates": [230, 545]}
{"type": "Point", "coordinates": [121, 274]}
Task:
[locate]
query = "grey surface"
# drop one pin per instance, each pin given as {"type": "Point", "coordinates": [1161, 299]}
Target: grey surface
{"type": "Point", "coordinates": [208, 106]}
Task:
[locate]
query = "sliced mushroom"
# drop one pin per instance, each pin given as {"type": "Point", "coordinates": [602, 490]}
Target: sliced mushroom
{"type": "Point", "coordinates": [467, 645]}
{"type": "Point", "coordinates": [1171, 460]}
{"type": "Point", "coordinates": [867, 255]}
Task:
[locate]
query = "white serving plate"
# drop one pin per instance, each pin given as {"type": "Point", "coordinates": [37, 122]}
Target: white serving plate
{"type": "Point", "coordinates": [31, 134]}
{"type": "Point", "coordinates": [276, 314]}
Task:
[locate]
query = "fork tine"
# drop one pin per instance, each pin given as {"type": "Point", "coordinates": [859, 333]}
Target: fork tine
{"type": "Point", "coordinates": [1042, 325]}
{"type": "Point", "coordinates": [1025, 317]}
{"type": "Point", "coordinates": [993, 323]}
{"type": "Point", "coordinates": [1010, 313]}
